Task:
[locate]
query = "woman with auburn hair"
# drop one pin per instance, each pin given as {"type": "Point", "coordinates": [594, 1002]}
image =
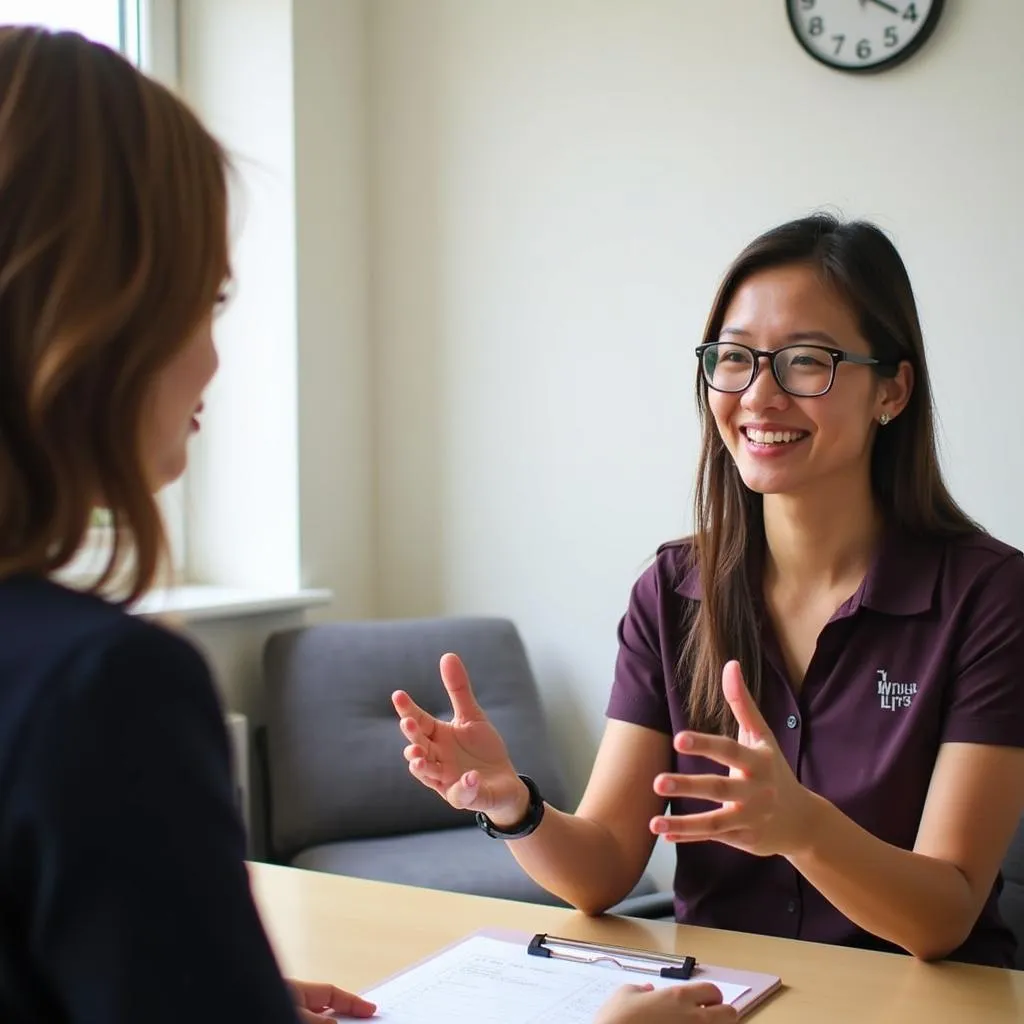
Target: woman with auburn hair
{"type": "Point", "coordinates": [123, 890]}
{"type": "Point", "coordinates": [818, 697]}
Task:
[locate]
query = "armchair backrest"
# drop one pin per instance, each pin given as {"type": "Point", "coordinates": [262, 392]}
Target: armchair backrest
{"type": "Point", "coordinates": [1011, 902]}
{"type": "Point", "coordinates": [333, 748]}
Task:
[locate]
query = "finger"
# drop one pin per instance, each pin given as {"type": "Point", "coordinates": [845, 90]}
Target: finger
{"type": "Point", "coordinates": [460, 692]}
{"type": "Point", "coordinates": [722, 749]}
{"type": "Point", "coordinates": [437, 785]}
{"type": "Point", "coordinates": [350, 1005]}
{"type": "Point", "coordinates": [414, 751]}
{"type": "Point", "coordinates": [412, 731]}
{"type": "Point", "coordinates": [423, 768]}
{"type": "Point", "coordinates": [328, 1015]}
{"type": "Point", "coordinates": [706, 825]}
{"type": "Point", "coordinates": [701, 993]}
{"type": "Point", "coordinates": [718, 788]}
{"type": "Point", "coordinates": [719, 1014]}
{"type": "Point", "coordinates": [468, 792]}
{"type": "Point", "coordinates": [409, 710]}
{"type": "Point", "coordinates": [324, 997]}
{"type": "Point", "coordinates": [738, 839]}
{"type": "Point", "coordinates": [743, 707]}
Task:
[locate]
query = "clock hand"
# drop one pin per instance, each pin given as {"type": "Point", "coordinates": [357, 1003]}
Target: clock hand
{"type": "Point", "coordinates": [882, 3]}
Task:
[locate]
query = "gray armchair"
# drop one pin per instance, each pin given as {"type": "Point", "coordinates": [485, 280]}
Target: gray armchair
{"type": "Point", "coordinates": [339, 797]}
{"type": "Point", "coordinates": [1011, 902]}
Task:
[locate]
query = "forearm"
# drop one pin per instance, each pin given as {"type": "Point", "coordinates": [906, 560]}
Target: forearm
{"type": "Point", "coordinates": [920, 903]}
{"type": "Point", "coordinates": [577, 859]}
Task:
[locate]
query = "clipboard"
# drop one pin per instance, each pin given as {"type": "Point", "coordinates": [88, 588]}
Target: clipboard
{"type": "Point", "coordinates": [501, 964]}
{"type": "Point", "coordinates": [664, 965]}
{"type": "Point", "coordinates": [660, 965]}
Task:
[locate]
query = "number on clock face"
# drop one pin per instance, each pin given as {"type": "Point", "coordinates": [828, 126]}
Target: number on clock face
{"type": "Point", "coordinates": [862, 35]}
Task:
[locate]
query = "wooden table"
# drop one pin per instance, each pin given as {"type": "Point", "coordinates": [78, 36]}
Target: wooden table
{"type": "Point", "coordinates": [354, 933]}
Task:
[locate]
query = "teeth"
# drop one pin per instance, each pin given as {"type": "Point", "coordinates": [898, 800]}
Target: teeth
{"type": "Point", "coordinates": [773, 436]}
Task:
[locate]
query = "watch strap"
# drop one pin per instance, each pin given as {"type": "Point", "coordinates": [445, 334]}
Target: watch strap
{"type": "Point", "coordinates": [529, 823]}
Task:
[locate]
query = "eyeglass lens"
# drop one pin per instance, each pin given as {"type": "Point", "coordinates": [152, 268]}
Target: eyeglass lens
{"type": "Point", "coordinates": [801, 369]}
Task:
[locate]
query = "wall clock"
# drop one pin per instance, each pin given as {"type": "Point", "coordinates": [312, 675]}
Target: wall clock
{"type": "Point", "coordinates": [863, 35]}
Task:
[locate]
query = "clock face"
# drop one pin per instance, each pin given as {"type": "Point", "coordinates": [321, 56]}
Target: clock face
{"type": "Point", "coordinates": [862, 35]}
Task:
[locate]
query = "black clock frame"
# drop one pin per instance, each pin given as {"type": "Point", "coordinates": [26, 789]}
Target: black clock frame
{"type": "Point", "coordinates": [918, 41]}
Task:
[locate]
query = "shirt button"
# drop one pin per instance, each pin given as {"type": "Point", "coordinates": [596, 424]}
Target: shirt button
{"type": "Point", "coordinates": [792, 722]}
{"type": "Point", "coordinates": [791, 907]}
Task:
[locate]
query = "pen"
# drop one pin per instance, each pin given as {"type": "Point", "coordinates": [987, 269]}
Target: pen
{"type": "Point", "coordinates": [662, 965]}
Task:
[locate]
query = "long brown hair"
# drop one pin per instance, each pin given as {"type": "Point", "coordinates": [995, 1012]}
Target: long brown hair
{"type": "Point", "coordinates": [113, 247]}
{"type": "Point", "coordinates": [860, 263]}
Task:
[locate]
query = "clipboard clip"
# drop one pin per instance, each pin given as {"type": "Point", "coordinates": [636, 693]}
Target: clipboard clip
{"type": "Point", "coordinates": [659, 964]}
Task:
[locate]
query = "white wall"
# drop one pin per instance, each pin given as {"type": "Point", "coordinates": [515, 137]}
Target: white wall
{"type": "Point", "coordinates": [236, 66]}
{"type": "Point", "coordinates": [557, 187]}
{"type": "Point", "coordinates": [336, 472]}
{"type": "Point", "coordinates": [281, 478]}
{"type": "Point", "coordinates": [281, 481]}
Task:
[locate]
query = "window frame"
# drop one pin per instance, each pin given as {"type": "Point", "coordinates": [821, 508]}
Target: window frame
{"type": "Point", "coordinates": [150, 37]}
{"type": "Point", "coordinates": [150, 34]}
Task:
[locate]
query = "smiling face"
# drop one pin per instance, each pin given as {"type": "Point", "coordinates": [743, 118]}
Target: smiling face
{"type": "Point", "coordinates": [783, 444]}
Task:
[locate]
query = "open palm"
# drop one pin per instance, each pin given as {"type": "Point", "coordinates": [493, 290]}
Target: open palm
{"type": "Point", "coordinates": [763, 808]}
{"type": "Point", "coordinates": [464, 760]}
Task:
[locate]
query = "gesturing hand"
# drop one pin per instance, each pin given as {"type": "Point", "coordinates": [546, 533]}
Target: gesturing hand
{"type": "Point", "coordinates": [764, 809]}
{"type": "Point", "coordinates": [465, 760]}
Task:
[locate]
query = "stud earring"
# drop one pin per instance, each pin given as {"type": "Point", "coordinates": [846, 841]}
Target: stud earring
{"type": "Point", "coordinates": [884, 419]}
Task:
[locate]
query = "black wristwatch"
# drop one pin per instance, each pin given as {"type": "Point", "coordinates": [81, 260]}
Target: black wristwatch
{"type": "Point", "coordinates": [529, 823]}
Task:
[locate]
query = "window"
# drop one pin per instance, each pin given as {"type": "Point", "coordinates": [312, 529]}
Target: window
{"type": "Point", "coordinates": [146, 32]}
{"type": "Point", "coordinates": [102, 20]}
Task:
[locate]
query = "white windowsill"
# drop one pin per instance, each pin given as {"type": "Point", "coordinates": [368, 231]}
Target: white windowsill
{"type": "Point", "coordinates": [198, 603]}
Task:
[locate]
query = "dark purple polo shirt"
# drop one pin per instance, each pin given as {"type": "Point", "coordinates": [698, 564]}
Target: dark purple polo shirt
{"type": "Point", "coordinates": [929, 649]}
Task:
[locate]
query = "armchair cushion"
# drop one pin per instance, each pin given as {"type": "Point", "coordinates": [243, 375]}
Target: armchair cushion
{"type": "Point", "coordinates": [454, 859]}
{"type": "Point", "coordinates": [334, 751]}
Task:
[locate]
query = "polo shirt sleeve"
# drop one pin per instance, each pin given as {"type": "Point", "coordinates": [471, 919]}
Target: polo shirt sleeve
{"type": "Point", "coordinates": [639, 692]}
{"type": "Point", "coordinates": [128, 849]}
{"type": "Point", "coordinates": [986, 704]}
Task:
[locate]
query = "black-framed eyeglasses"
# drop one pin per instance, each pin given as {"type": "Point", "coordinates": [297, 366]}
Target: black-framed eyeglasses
{"type": "Point", "coordinates": [806, 371]}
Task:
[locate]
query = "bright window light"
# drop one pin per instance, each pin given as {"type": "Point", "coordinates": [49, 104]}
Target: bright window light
{"type": "Point", "coordinates": [102, 20]}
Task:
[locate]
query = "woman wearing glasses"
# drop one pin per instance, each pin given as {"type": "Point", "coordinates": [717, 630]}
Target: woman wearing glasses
{"type": "Point", "coordinates": [818, 697]}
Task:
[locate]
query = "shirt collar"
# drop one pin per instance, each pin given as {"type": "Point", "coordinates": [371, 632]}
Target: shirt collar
{"type": "Point", "coordinates": [903, 576]}
{"type": "Point", "coordinates": [901, 579]}
{"type": "Point", "coordinates": [689, 584]}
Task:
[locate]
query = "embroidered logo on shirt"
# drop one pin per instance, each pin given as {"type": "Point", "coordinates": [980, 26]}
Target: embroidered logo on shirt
{"type": "Point", "coordinates": [894, 696]}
